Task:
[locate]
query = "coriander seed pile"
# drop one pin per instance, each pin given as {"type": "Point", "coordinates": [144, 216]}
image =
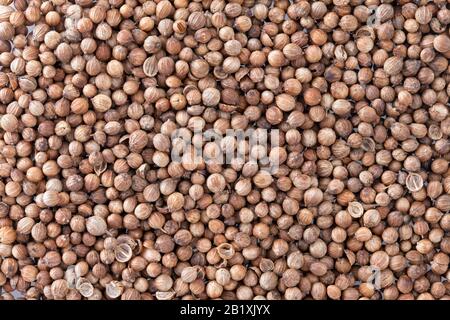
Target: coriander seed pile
{"type": "Point", "coordinates": [350, 201]}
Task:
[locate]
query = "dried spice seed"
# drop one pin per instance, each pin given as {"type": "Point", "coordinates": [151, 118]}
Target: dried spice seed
{"type": "Point", "coordinates": [414, 182]}
{"type": "Point", "coordinates": [134, 162]}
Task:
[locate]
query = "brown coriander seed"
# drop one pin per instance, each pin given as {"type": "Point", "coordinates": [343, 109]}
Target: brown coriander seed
{"type": "Point", "coordinates": [393, 65]}
{"type": "Point", "coordinates": [96, 226]}
{"type": "Point", "coordinates": [123, 252]}
{"type": "Point", "coordinates": [101, 103]}
{"type": "Point", "coordinates": [114, 289]}
{"type": "Point", "coordinates": [225, 251]}
{"type": "Point", "coordinates": [85, 288]}
{"type": "Point", "coordinates": [371, 218]}
{"type": "Point", "coordinates": [216, 183]}
{"type": "Point", "coordinates": [211, 97]}
{"type": "Point", "coordinates": [355, 209]}
{"type": "Point", "coordinates": [414, 182]}
{"type": "Point", "coordinates": [9, 122]}
{"type": "Point", "coordinates": [7, 235]}
{"type": "Point", "coordinates": [214, 290]}
{"type": "Point", "coordinates": [442, 43]}
{"type": "Point", "coordinates": [59, 288]}
{"type": "Point", "coordinates": [175, 201]}
{"type": "Point", "coordinates": [137, 140]}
